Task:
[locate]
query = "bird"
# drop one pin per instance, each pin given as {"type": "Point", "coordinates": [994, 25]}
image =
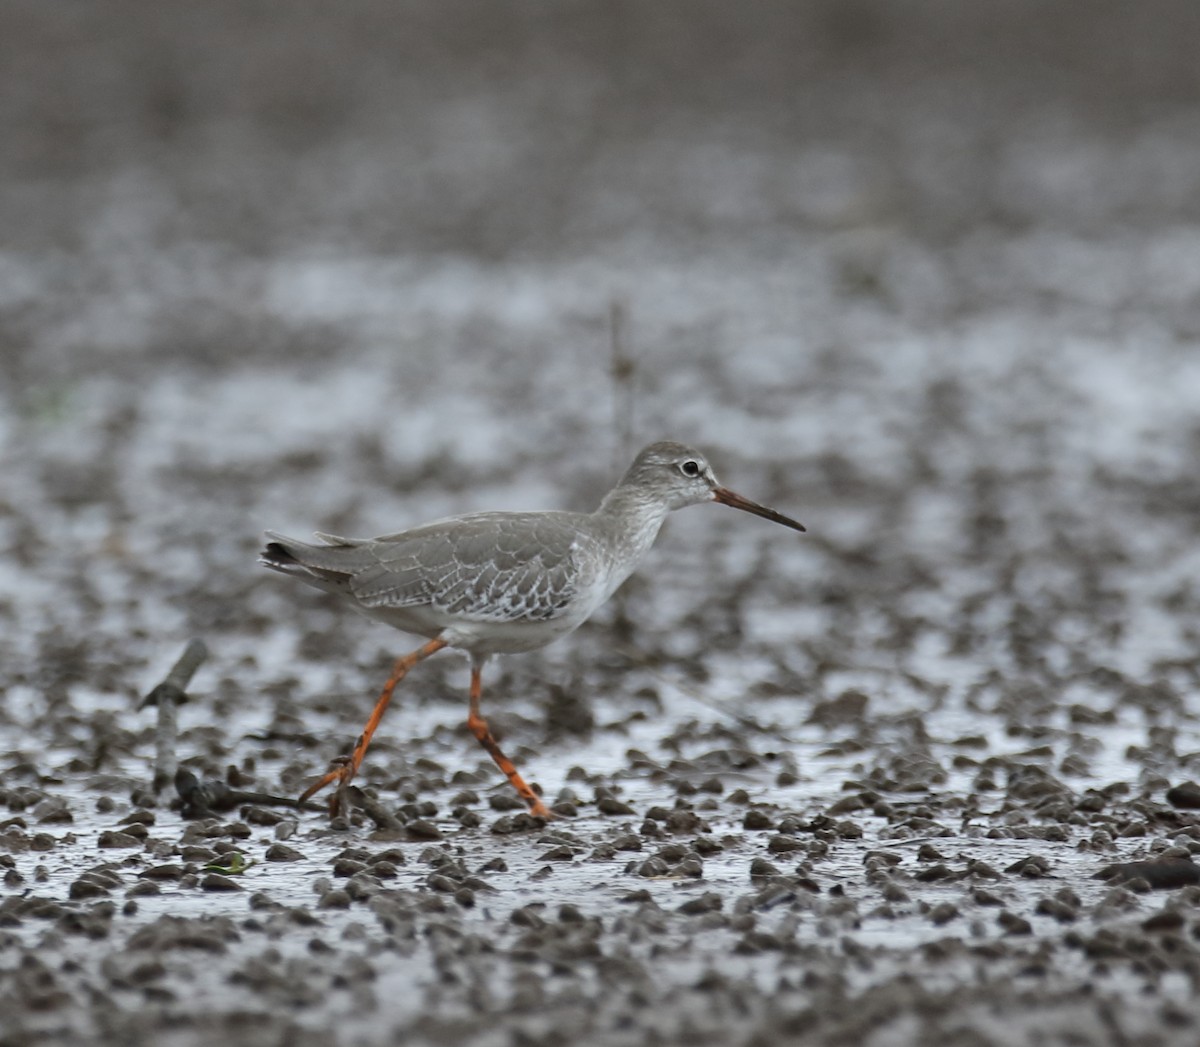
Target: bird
{"type": "Point", "coordinates": [490, 583]}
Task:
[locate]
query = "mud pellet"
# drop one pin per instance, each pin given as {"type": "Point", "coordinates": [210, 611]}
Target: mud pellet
{"type": "Point", "coordinates": [760, 868]}
{"type": "Point", "coordinates": [1013, 924]}
{"type": "Point", "coordinates": [757, 820]}
{"type": "Point", "coordinates": [220, 882]}
{"type": "Point", "coordinates": [281, 852]}
{"type": "Point", "coordinates": [710, 901]}
{"type": "Point", "coordinates": [943, 913]}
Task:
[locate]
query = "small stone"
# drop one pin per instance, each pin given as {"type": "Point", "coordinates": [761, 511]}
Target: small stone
{"type": "Point", "coordinates": [219, 882]}
{"type": "Point", "coordinates": [54, 809]}
{"type": "Point", "coordinates": [263, 816]}
{"type": "Point", "coordinates": [1186, 795]}
{"type": "Point", "coordinates": [943, 913]}
{"type": "Point", "coordinates": [109, 838]}
{"type": "Point", "coordinates": [846, 805]}
{"type": "Point", "coordinates": [392, 856]}
{"type": "Point", "coordinates": [163, 872]}
{"type": "Point", "coordinates": [281, 852]}
{"type": "Point", "coordinates": [562, 853]}
{"type": "Point", "coordinates": [1058, 909]}
{"type": "Point", "coordinates": [423, 829]}
{"type": "Point", "coordinates": [1033, 867]}
{"type": "Point", "coordinates": [1013, 924]}
{"type": "Point", "coordinates": [87, 887]}
{"type": "Point", "coordinates": [760, 868]}
{"type": "Point", "coordinates": [709, 901]}
{"type": "Point", "coordinates": [1159, 874]}
{"type": "Point", "coordinates": [1166, 920]}
{"type": "Point", "coordinates": [611, 805]}
{"type": "Point", "coordinates": [529, 916]}
{"type": "Point", "coordinates": [755, 819]}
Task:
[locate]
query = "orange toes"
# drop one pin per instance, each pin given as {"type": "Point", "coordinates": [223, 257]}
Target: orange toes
{"type": "Point", "coordinates": [540, 810]}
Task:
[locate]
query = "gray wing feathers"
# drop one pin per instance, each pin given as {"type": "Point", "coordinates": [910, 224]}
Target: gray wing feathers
{"type": "Point", "coordinates": [331, 539]}
{"type": "Point", "coordinates": [502, 567]}
{"type": "Point", "coordinates": [496, 567]}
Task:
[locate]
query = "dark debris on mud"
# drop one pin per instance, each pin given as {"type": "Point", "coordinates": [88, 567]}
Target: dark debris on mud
{"type": "Point", "coordinates": [720, 902]}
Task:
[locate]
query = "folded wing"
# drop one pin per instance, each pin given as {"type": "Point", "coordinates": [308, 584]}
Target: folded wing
{"type": "Point", "coordinates": [497, 567]}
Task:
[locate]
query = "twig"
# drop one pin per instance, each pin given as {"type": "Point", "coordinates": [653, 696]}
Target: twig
{"type": "Point", "coordinates": [168, 695]}
{"type": "Point", "coordinates": [622, 370]}
{"type": "Point", "coordinates": [199, 799]}
{"type": "Point", "coordinates": [373, 809]}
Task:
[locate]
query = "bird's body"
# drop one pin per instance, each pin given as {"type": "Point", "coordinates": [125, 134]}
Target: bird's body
{"type": "Point", "coordinates": [504, 582]}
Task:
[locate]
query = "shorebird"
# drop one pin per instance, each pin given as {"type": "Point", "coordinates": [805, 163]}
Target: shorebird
{"type": "Point", "coordinates": [500, 583]}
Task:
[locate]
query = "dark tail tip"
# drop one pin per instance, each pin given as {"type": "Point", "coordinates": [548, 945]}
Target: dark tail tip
{"type": "Point", "coordinates": [274, 553]}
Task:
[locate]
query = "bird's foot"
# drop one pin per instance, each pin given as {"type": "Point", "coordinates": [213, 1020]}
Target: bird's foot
{"type": "Point", "coordinates": [540, 810]}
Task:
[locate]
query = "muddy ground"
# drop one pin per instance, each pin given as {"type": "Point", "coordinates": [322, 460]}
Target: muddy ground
{"type": "Point", "coordinates": [926, 276]}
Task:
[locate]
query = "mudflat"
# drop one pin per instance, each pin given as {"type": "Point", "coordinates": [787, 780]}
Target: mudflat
{"type": "Point", "coordinates": [924, 277]}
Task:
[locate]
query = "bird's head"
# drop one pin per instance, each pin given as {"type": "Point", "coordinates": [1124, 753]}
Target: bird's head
{"type": "Point", "coordinates": [679, 476]}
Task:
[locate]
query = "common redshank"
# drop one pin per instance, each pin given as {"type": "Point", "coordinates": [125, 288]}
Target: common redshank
{"type": "Point", "coordinates": [500, 583]}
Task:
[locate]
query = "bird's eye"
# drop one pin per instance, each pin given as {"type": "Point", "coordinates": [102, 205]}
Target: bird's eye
{"type": "Point", "coordinates": [690, 468]}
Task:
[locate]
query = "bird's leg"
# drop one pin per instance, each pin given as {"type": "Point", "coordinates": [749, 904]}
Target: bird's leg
{"type": "Point", "coordinates": [478, 727]}
{"type": "Point", "coordinates": [347, 766]}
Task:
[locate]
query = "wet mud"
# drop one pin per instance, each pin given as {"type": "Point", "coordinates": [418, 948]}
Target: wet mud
{"type": "Point", "coordinates": [924, 279]}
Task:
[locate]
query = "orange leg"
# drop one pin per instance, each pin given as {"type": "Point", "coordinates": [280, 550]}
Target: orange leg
{"type": "Point", "coordinates": [478, 727]}
{"type": "Point", "coordinates": [348, 765]}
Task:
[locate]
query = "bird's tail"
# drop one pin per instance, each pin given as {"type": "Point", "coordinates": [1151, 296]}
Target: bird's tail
{"type": "Point", "coordinates": [316, 565]}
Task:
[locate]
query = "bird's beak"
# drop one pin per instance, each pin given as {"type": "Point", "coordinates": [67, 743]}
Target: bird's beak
{"type": "Point", "coordinates": [727, 497]}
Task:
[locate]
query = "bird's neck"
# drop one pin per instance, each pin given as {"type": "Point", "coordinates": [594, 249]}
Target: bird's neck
{"type": "Point", "coordinates": [630, 522]}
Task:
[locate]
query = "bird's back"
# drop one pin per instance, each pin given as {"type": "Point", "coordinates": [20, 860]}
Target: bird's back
{"type": "Point", "coordinates": [484, 567]}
